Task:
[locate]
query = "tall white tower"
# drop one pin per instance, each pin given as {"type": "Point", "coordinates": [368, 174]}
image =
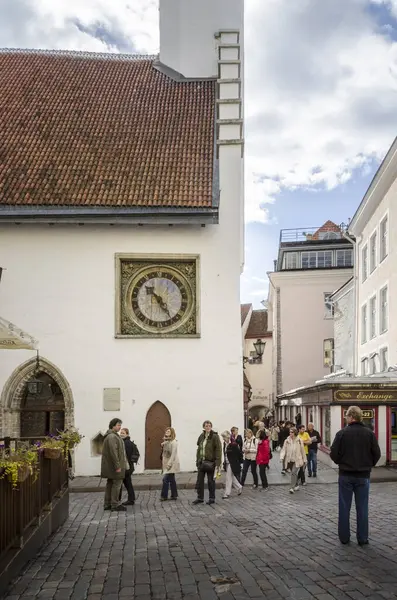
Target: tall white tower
{"type": "Point", "coordinates": [188, 30]}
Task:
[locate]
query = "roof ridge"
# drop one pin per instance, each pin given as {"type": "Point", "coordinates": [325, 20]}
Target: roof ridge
{"type": "Point", "coordinates": [80, 54]}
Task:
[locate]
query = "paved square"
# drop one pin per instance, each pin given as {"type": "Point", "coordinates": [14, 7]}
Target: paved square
{"type": "Point", "coordinates": [260, 545]}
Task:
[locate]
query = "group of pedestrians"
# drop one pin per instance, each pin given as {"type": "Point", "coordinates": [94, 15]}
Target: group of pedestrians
{"type": "Point", "coordinates": [355, 450]}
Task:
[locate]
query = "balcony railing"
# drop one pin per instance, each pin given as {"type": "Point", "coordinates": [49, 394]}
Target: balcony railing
{"type": "Point", "coordinates": [308, 234]}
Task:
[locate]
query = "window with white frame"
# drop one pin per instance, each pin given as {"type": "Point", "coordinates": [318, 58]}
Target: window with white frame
{"type": "Point", "coordinates": [317, 260]}
{"type": "Point", "coordinates": [372, 252]}
{"type": "Point", "coordinates": [328, 306]}
{"type": "Point", "coordinates": [364, 263]}
{"type": "Point", "coordinates": [364, 324]}
{"type": "Point", "coordinates": [372, 317]}
{"type": "Point", "coordinates": [383, 239]}
{"type": "Point", "coordinates": [364, 366]}
{"type": "Point", "coordinates": [384, 311]}
{"type": "Point", "coordinates": [372, 364]}
{"type": "Point", "coordinates": [384, 359]}
{"type": "Point", "coordinates": [344, 258]}
{"type": "Point", "coordinates": [291, 260]}
{"type": "Point", "coordinates": [324, 259]}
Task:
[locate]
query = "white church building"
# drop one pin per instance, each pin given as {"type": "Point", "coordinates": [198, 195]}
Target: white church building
{"type": "Point", "coordinates": [121, 235]}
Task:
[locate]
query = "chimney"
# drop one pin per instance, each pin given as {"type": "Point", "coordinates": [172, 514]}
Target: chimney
{"type": "Point", "coordinates": [188, 34]}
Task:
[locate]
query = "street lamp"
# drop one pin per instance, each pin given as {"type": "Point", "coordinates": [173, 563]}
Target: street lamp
{"type": "Point", "coordinates": [259, 346]}
{"type": "Point", "coordinates": [35, 385]}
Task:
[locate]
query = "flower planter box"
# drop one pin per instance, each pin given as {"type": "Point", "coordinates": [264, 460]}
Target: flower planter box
{"type": "Point", "coordinates": [52, 453]}
{"type": "Point", "coordinates": [23, 474]}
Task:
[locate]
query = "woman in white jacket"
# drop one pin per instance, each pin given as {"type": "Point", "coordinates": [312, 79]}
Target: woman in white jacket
{"type": "Point", "coordinates": [250, 449]}
{"type": "Point", "coordinates": [293, 457]}
{"type": "Point", "coordinates": [170, 464]}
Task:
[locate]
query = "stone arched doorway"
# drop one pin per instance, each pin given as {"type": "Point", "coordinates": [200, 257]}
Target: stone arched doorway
{"type": "Point", "coordinates": [158, 418]}
{"type": "Point", "coordinates": [18, 406]}
{"type": "Point", "coordinates": [42, 413]}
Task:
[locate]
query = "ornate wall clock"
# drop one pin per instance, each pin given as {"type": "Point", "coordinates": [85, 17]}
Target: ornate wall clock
{"type": "Point", "coordinates": [157, 295]}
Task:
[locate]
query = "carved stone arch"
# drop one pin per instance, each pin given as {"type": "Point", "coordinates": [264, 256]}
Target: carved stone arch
{"type": "Point", "coordinates": [14, 388]}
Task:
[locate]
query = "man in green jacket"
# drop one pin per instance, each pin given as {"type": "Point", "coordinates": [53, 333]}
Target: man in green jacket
{"type": "Point", "coordinates": [113, 466]}
{"type": "Point", "coordinates": [208, 459]}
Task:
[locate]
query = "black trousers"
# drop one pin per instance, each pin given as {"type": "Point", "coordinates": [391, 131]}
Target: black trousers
{"type": "Point", "coordinates": [262, 473]}
{"type": "Point", "coordinates": [200, 484]}
{"type": "Point", "coordinates": [128, 486]}
{"type": "Point", "coordinates": [246, 465]}
{"type": "Point", "coordinates": [274, 445]}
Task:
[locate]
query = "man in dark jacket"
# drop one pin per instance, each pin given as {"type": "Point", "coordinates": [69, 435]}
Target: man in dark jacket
{"type": "Point", "coordinates": [113, 466]}
{"type": "Point", "coordinates": [313, 449]}
{"type": "Point", "coordinates": [208, 458]}
{"type": "Point", "coordinates": [356, 450]}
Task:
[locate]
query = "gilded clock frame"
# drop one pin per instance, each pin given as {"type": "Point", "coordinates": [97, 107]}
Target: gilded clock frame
{"type": "Point", "coordinates": [188, 264]}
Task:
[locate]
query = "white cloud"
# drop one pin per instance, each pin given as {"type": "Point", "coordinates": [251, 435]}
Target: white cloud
{"type": "Point", "coordinates": [321, 79]}
{"type": "Point", "coordinates": [321, 82]}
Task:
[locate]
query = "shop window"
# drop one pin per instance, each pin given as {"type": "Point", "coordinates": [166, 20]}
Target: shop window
{"type": "Point", "coordinates": [393, 456]}
{"type": "Point", "coordinates": [326, 426]}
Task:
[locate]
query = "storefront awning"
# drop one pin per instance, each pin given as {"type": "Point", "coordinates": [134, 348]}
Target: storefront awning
{"type": "Point", "coordinates": [13, 338]}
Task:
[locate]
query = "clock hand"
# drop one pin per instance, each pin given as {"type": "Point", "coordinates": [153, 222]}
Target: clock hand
{"type": "Point", "coordinates": [159, 300]}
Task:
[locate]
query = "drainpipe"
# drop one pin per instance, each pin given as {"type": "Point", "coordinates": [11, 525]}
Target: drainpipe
{"type": "Point", "coordinates": [345, 232]}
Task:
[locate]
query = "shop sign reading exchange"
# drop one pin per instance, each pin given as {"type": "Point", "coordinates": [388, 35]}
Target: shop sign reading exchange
{"type": "Point", "coordinates": [365, 395]}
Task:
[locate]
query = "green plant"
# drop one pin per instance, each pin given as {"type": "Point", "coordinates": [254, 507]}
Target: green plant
{"type": "Point", "coordinates": [12, 462]}
{"type": "Point", "coordinates": [69, 438]}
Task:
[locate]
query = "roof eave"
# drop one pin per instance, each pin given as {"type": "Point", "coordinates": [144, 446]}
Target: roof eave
{"type": "Point", "coordinates": [376, 190]}
{"type": "Point", "coordinates": [109, 215]}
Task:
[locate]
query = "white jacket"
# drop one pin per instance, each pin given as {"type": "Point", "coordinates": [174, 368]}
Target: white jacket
{"type": "Point", "coordinates": [250, 448]}
{"type": "Point", "coordinates": [293, 451]}
{"type": "Point", "coordinates": [170, 457]}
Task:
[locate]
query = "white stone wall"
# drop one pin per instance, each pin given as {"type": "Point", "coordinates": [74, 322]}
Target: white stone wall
{"type": "Point", "coordinates": [385, 274]}
{"type": "Point", "coordinates": [344, 329]}
{"type": "Point", "coordinates": [302, 325]}
{"type": "Point", "coordinates": [260, 375]}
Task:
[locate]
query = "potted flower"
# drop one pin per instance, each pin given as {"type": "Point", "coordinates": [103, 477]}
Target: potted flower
{"type": "Point", "coordinates": [70, 439]}
{"type": "Point", "coordinates": [17, 465]}
{"type": "Point", "coordinates": [51, 446]}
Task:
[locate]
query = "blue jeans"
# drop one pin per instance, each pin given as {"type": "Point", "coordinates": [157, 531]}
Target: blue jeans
{"type": "Point", "coordinates": [169, 482]}
{"type": "Point", "coordinates": [359, 486]}
{"type": "Point", "coordinates": [312, 462]}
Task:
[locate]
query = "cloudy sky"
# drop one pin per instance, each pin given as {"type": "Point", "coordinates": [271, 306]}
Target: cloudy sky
{"type": "Point", "coordinates": [321, 82]}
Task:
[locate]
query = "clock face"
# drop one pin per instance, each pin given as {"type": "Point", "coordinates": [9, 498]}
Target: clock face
{"type": "Point", "coordinates": [160, 299]}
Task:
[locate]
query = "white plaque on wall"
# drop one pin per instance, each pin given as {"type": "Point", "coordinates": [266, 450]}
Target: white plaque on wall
{"type": "Point", "coordinates": [111, 399]}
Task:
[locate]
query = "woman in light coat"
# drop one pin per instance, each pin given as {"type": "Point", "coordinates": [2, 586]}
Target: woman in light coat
{"type": "Point", "coordinates": [170, 464]}
{"type": "Point", "coordinates": [293, 457]}
{"type": "Point", "coordinates": [250, 449]}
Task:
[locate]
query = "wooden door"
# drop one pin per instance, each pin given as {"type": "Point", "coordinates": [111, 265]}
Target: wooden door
{"type": "Point", "coordinates": [158, 419]}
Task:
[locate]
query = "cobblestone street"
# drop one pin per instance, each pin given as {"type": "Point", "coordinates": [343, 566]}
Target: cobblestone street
{"type": "Point", "coordinates": [272, 545]}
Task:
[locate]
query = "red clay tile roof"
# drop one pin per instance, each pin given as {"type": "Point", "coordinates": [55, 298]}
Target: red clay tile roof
{"type": "Point", "coordinates": [328, 226]}
{"type": "Point", "coordinates": [258, 325]}
{"type": "Point", "coordinates": [245, 308]}
{"type": "Point", "coordinates": [93, 130]}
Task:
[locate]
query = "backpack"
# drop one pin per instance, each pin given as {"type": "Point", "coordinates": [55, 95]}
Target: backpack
{"type": "Point", "coordinates": [135, 452]}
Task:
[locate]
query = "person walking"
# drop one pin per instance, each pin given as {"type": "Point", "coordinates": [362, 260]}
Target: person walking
{"type": "Point", "coordinates": [283, 435]}
{"type": "Point", "coordinates": [293, 457]}
{"type": "Point", "coordinates": [234, 434]}
{"type": "Point", "coordinates": [171, 466]}
{"type": "Point", "coordinates": [305, 437]}
{"type": "Point", "coordinates": [114, 464]}
{"type": "Point", "coordinates": [313, 449]}
{"type": "Point", "coordinates": [274, 433]}
{"type": "Point", "coordinates": [132, 454]}
{"type": "Point", "coordinates": [356, 450]}
{"type": "Point", "coordinates": [208, 458]}
{"type": "Point", "coordinates": [250, 449]}
{"type": "Point", "coordinates": [263, 458]}
{"type": "Point", "coordinates": [232, 464]}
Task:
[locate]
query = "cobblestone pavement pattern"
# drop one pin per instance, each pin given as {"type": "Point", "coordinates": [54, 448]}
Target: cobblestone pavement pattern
{"type": "Point", "coordinates": [272, 545]}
